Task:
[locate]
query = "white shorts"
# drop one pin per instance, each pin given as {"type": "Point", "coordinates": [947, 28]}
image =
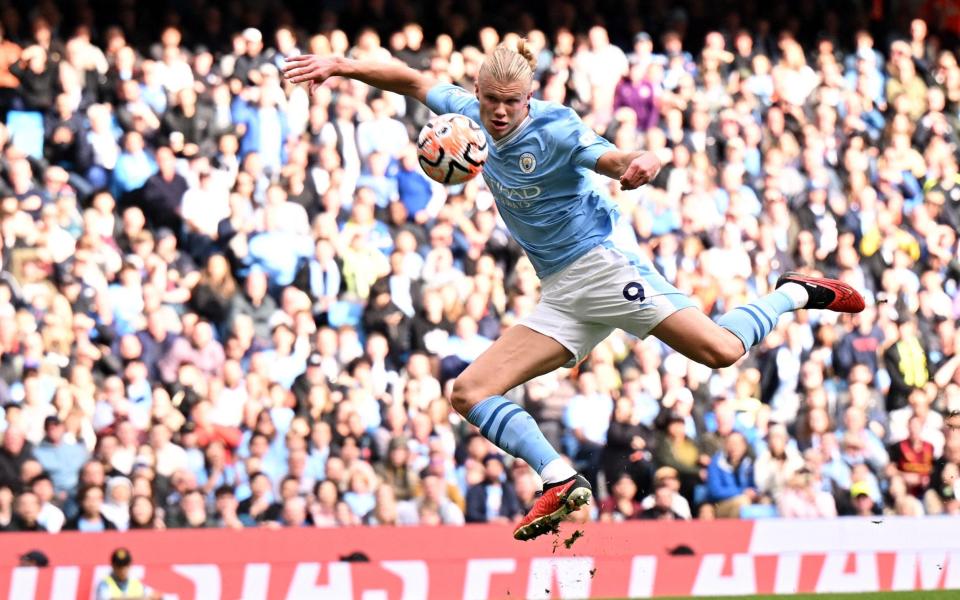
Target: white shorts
{"type": "Point", "coordinates": [605, 289]}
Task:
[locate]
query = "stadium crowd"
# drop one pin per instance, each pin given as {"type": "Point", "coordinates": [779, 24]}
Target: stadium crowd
{"type": "Point", "coordinates": [226, 302]}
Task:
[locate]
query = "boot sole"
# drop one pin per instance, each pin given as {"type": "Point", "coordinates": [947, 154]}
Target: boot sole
{"type": "Point", "coordinates": [551, 522]}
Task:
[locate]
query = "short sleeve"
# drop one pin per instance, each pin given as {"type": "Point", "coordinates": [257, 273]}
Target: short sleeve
{"type": "Point", "coordinates": [579, 142]}
{"type": "Point", "coordinates": [446, 98]}
{"type": "Point", "coordinates": [589, 147]}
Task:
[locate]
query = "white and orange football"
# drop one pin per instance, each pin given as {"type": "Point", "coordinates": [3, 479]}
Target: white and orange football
{"type": "Point", "coordinates": [451, 149]}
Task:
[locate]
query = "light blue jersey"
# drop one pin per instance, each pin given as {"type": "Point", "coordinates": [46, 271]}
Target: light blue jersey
{"type": "Point", "coordinates": [539, 176]}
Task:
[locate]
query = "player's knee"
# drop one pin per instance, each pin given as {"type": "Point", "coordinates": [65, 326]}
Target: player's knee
{"type": "Point", "coordinates": [465, 395]}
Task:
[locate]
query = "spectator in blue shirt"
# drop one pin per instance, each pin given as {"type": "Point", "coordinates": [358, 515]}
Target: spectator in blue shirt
{"type": "Point", "coordinates": [413, 186]}
{"type": "Point", "coordinates": [730, 483]}
{"type": "Point", "coordinates": [467, 343]}
{"type": "Point", "coordinates": [861, 346]}
{"type": "Point", "coordinates": [126, 297]}
{"type": "Point", "coordinates": [379, 181]}
{"type": "Point", "coordinates": [60, 458]}
{"type": "Point", "coordinates": [134, 166]}
{"type": "Point", "coordinates": [151, 89]}
{"type": "Point", "coordinates": [264, 125]}
{"type": "Point", "coordinates": [363, 220]}
{"type": "Point", "coordinates": [278, 252]}
{"type": "Point", "coordinates": [287, 358]}
{"type": "Point", "coordinates": [360, 497]}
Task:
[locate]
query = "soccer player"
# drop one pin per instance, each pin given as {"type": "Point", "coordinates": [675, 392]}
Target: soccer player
{"type": "Point", "coordinates": [593, 278]}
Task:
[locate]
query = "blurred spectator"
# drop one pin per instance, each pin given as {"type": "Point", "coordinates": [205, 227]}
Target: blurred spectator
{"type": "Point", "coordinates": [492, 499]}
{"type": "Point", "coordinates": [944, 490]}
{"type": "Point", "coordinates": [859, 347]}
{"type": "Point", "coordinates": [863, 503]}
{"type": "Point", "coordinates": [51, 517]}
{"type": "Point", "coordinates": [436, 496]}
{"type": "Point", "coordinates": [730, 482]}
{"type": "Point", "coordinates": [666, 477]}
{"type": "Point", "coordinates": [295, 513]}
{"type": "Point", "coordinates": [588, 419]}
{"type": "Point", "coordinates": [361, 495]}
{"type": "Point", "coordinates": [639, 92]}
{"type": "Point", "coordinates": [930, 421]}
{"type": "Point", "coordinates": [7, 514]}
{"type": "Point", "coordinates": [628, 446]}
{"type": "Point", "coordinates": [27, 513]}
{"type": "Point", "coordinates": [622, 503]}
{"type": "Point", "coordinates": [254, 303]}
{"type": "Point", "coordinates": [913, 458]}
{"type": "Point", "coordinates": [662, 508]}
{"type": "Point", "coordinates": [116, 508]}
{"type": "Point", "coordinates": [14, 452]}
{"type": "Point", "coordinates": [37, 74]}
{"type": "Point", "coordinates": [396, 472]}
{"type": "Point", "coordinates": [324, 510]}
{"type": "Point", "coordinates": [385, 511]}
{"type": "Point", "coordinates": [906, 362]}
{"type": "Point", "coordinates": [90, 518]}
{"type": "Point", "coordinates": [60, 458]}
{"type": "Point", "coordinates": [802, 497]}
{"type": "Point", "coordinates": [380, 134]}
{"type": "Point", "coordinates": [899, 501]}
{"type": "Point", "coordinates": [681, 453]}
{"type": "Point", "coordinates": [143, 513]}
{"type": "Point", "coordinates": [776, 465]}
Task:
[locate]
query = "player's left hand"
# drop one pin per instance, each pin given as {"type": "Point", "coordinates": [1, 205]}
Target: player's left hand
{"type": "Point", "coordinates": [641, 170]}
{"type": "Point", "coordinates": [310, 69]}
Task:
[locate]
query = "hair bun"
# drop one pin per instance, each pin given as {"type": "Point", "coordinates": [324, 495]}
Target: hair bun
{"type": "Point", "coordinates": [524, 51]}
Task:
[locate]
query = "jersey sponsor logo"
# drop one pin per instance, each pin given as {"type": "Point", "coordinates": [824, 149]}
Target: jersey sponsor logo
{"type": "Point", "coordinates": [521, 197]}
{"type": "Point", "coordinates": [587, 138]}
{"type": "Point", "coordinates": [528, 162]}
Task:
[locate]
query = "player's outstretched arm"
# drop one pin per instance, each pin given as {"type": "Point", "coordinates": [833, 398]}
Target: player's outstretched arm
{"type": "Point", "coordinates": [392, 77]}
{"type": "Point", "coordinates": [633, 169]}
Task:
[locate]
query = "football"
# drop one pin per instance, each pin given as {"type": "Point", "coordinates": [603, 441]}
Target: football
{"type": "Point", "coordinates": [451, 149]}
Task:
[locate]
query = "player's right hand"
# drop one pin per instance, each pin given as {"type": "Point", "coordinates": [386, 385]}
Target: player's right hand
{"type": "Point", "coordinates": [310, 68]}
{"type": "Point", "coordinates": [641, 171]}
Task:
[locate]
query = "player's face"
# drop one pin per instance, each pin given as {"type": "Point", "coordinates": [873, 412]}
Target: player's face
{"type": "Point", "coordinates": [502, 105]}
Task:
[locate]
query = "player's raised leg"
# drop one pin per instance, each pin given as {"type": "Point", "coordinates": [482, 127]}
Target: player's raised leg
{"type": "Point", "coordinates": [721, 343]}
{"type": "Point", "coordinates": [516, 357]}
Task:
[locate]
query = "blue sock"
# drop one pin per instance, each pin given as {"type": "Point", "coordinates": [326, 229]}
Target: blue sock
{"type": "Point", "coordinates": [513, 430]}
{"type": "Point", "coordinates": [752, 322]}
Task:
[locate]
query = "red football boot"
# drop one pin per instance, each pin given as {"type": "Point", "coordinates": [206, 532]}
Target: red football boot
{"type": "Point", "coordinates": [827, 294]}
{"type": "Point", "coordinates": [557, 501]}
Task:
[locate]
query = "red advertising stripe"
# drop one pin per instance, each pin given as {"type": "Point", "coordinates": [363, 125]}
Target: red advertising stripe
{"type": "Point", "coordinates": [484, 556]}
{"type": "Point", "coordinates": [634, 559]}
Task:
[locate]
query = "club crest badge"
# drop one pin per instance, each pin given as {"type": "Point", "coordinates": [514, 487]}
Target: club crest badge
{"type": "Point", "coordinates": [528, 162]}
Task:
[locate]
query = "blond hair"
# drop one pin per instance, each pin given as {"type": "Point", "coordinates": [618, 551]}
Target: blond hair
{"type": "Point", "coordinates": [506, 63]}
